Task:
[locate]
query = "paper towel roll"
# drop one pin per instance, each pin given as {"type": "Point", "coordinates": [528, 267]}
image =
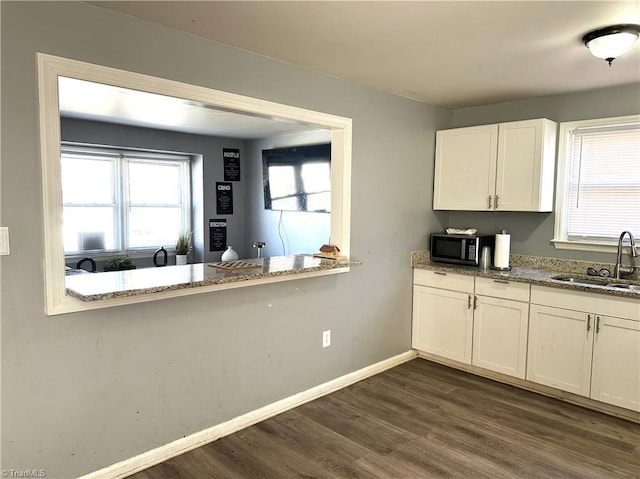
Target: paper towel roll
{"type": "Point", "coordinates": [501, 251]}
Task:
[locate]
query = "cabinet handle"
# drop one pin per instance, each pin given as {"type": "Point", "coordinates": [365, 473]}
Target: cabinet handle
{"type": "Point", "coordinates": [497, 198]}
{"type": "Point", "coordinates": [475, 302]}
{"type": "Point", "coordinates": [440, 273]}
{"type": "Point", "coordinates": [502, 281]}
{"type": "Point", "coordinates": [588, 322]}
{"type": "Point", "coordinates": [469, 302]}
{"type": "Point", "coordinates": [597, 324]}
{"type": "Point", "coordinates": [490, 198]}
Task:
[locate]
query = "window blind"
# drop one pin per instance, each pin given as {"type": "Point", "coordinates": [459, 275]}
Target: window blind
{"type": "Point", "coordinates": [604, 186]}
{"type": "Point", "coordinates": [123, 200]}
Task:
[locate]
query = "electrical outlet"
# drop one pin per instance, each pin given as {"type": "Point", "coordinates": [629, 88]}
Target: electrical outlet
{"type": "Point", "coordinates": [326, 338]}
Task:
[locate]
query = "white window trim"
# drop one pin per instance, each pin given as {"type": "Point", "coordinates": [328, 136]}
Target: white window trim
{"type": "Point", "coordinates": [560, 238]}
{"type": "Point", "coordinates": [57, 301]}
{"type": "Point", "coordinates": [121, 156]}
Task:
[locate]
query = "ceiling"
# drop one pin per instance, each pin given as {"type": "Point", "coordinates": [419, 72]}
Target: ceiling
{"type": "Point", "coordinates": [454, 54]}
{"type": "Point", "coordinates": [87, 100]}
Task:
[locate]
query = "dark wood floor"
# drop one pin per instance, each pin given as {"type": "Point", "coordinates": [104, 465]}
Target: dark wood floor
{"type": "Point", "coordinates": [421, 420]}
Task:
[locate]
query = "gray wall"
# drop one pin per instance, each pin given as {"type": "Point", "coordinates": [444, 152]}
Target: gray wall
{"type": "Point", "coordinates": [211, 150]}
{"type": "Point", "coordinates": [531, 232]}
{"type": "Point", "coordinates": [84, 390]}
{"type": "Point", "coordinates": [301, 232]}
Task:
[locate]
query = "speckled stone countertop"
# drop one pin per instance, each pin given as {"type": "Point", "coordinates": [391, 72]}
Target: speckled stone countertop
{"type": "Point", "coordinates": [537, 270]}
{"type": "Point", "coordinates": [119, 284]}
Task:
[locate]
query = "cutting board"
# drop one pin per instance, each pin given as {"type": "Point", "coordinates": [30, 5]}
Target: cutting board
{"type": "Point", "coordinates": [339, 258]}
{"type": "Point", "coordinates": [231, 265]}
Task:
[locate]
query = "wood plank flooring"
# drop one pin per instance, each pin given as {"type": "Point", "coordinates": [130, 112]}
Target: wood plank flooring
{"type": "Point", "coordinates": [421, 420]}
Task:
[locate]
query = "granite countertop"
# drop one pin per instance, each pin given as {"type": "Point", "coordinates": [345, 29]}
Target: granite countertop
{"type": "Point", "coordinates": [119, 284]}
{"type": "Point", "coordinates": [535, 270]}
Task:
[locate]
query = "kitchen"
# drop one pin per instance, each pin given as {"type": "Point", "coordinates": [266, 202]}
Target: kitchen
{"type": "Point", "coordinates": [95, 383]}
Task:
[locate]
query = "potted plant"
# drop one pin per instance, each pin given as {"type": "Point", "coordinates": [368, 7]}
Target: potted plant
{"type": "Point", "coordinates": [183, 246]}
{"type": "Point", "coordinates": [119, 263]}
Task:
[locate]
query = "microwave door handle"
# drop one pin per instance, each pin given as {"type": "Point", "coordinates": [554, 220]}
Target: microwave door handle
{"type": "Point", "coordinates": [463, 249]}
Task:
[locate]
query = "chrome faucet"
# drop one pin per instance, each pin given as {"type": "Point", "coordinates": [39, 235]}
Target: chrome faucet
{"type": "Point", "coordinates": [619, 269]}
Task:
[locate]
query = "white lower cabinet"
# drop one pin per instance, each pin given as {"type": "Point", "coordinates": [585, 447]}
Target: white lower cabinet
{"type": "Point", "coordinates": [442, 314]}
{"type": "Point", "coordinates": [560, 349]}
{"type": "Point", "coordinates": [486, 331]}
{"type": "Point", "coordinates": [500, 335]}
{"type": "Point", "coordinates": [583, 343]}
{"type": "Point", "coordinates": [587, 353]}
{"type": "Point", "coordinates": [500, 326]}
{"type": "Point", "coordinates": [615, 377]}
{"type": "Point", "coordinates": [442, 323]}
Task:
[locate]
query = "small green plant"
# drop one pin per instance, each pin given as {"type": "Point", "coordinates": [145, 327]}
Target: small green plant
{"type": "Point", "coordinates": [183, 244]}
{"type": "Point", "coordinates": [119, 262]}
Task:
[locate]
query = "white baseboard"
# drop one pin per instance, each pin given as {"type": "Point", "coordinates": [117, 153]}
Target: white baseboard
{"type": "Point", "coordinates": [160, 454]}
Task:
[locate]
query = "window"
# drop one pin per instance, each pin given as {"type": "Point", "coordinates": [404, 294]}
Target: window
{"type": "Point", "coordinates": [298, 178]}
{"type": "Point", "coordinates": [598, 188]}
{"type": "Point", "coordinates": [110, 205]}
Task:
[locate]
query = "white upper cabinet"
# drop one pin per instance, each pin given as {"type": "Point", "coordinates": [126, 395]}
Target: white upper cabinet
{"type": "Point", "coordinates": [502, 167]}
{"type": "Point", "coordinates": [465, 173]}
{"type": "Point", "coordinates": [526, 163]}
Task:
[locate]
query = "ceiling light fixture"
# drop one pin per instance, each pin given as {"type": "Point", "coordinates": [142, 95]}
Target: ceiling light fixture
{"type": "Point", "coordinates": [611, 42]}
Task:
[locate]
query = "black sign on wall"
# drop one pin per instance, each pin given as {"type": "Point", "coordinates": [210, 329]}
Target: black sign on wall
{"type": "Point", "coordinates": [231, 160]}
{"type": "Point", "coordinates": [217, 234]}
{"type": "Point", "coordinates": [224, 198]}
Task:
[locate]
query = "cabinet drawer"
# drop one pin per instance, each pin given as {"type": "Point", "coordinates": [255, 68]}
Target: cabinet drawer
{"type": "Point", "coordinates": [444, 280]}
{"type": "Point", "coordinates": [503, 288]}
{"type": "Point", "coordinates": [594, 303]}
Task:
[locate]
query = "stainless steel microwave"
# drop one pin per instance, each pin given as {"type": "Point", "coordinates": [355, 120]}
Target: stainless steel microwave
{"type": "Point", "coordinates": [459, 249]}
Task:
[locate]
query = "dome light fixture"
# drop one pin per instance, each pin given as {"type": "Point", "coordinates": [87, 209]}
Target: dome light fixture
{"type": "Point", "coordinates": [610, 42]}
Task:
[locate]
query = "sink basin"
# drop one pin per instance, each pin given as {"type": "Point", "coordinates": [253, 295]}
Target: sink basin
{"type": "Point", "coordinates": [599, 282]}
{"type": "Point", "coordinates": [578, 280]}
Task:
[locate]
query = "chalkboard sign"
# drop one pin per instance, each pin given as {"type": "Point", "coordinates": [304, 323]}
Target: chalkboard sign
{"type": "Point", "coordinates": [224, 198]}
{"type": "Point", "coordinates": [217, 234]}
{"type": "Point", "coordinates": [231, 161]}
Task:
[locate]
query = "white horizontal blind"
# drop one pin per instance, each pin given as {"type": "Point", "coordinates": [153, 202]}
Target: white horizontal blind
{"type": "Point", "coordinates": [157, 204]}
{"type": "Point", "coordinates": [90, 201]}
{"type": "Point", "coordinates": [604, 186]}
{"type": "Point", "coordinates": [117, 200]}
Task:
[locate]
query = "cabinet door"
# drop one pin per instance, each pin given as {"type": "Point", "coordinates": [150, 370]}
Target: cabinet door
{"type": "Point", "coordinates": [500, 335]}
{"type": "Point", "coordinates": [560, 348]}
{"type": "Point", "coordinates": [524, 172]}
{"type": "Point", "coordinates": [616, 362]}
{"type": "Point", "coordinates": [442, 323]}
{"type": "Point", "coordinates": [465, 168]}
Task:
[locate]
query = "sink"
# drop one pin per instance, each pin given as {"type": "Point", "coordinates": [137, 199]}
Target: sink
{"type": "Point", "coordinates": [578, 280]}
{"type": "Point", "coordinates": [599, 282]}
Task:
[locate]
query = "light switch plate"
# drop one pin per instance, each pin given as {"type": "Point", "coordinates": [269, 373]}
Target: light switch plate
{"type": "Point", "coordinates": [326, 338]}
{"type": "Point", "coordinates": [4, 240]}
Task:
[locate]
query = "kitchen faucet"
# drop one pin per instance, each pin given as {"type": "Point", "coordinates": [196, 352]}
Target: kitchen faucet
{"type": "Point", "coordinates": [619, 269]}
